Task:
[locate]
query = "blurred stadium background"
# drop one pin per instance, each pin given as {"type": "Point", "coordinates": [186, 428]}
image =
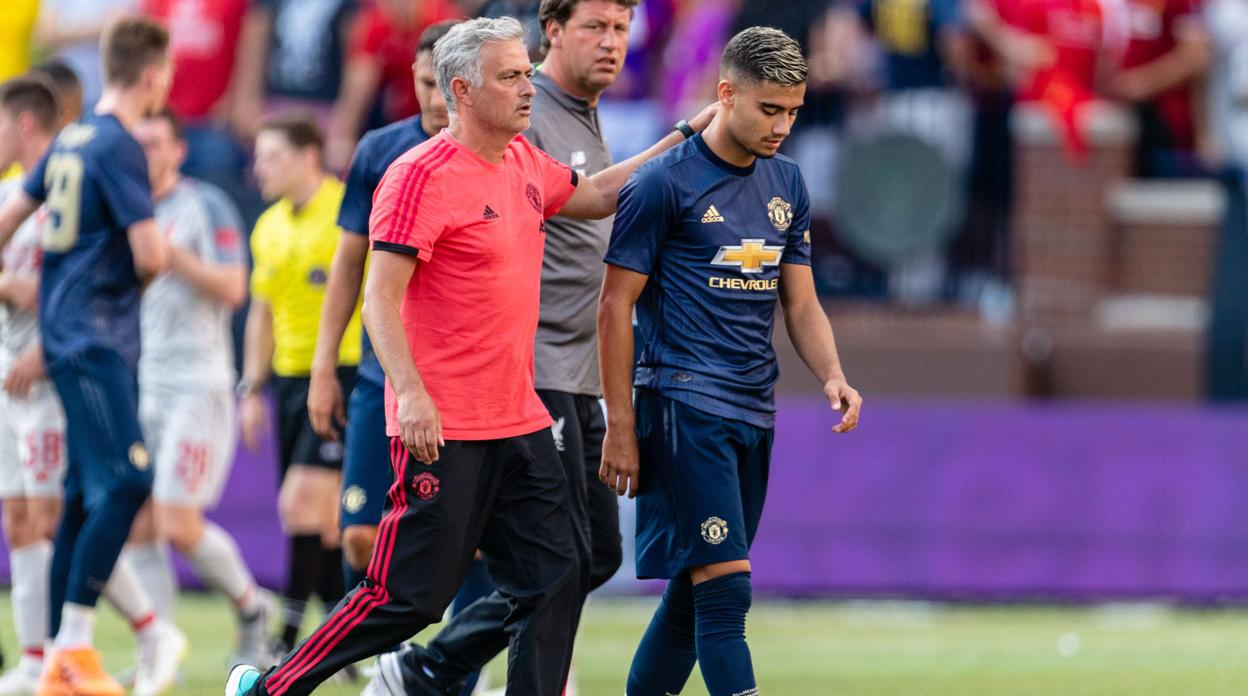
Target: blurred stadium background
{"type": "Point", "coordinates": [1039, 281]}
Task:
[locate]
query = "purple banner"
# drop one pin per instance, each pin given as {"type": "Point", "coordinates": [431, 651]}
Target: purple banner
{"type": "Point", "coordinates": [958, 500]}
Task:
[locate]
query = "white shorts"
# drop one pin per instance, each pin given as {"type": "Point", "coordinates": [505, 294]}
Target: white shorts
{"type": "Point", "coordinates": [192, 437]}
{"type": "Point", "coordinates": [32, 444]}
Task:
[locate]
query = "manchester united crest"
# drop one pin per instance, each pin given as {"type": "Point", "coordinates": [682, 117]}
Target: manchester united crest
{"type": "Point", "coordinates": [426, 485]}
{"type": "Point", "coordinates": [714, 531]}
{"type": "Point", "coordinates": [780, 213]}
{"type": "Point", "coordinates": [534, 196]}
{"type": "Point", "coordinates": [139, 457]}
{"type": "Point", "coordinates": [353, 499]}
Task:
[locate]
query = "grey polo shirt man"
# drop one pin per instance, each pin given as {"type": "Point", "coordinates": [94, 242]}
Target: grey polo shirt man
{"type": "Point", "coordinates": [566, 352]}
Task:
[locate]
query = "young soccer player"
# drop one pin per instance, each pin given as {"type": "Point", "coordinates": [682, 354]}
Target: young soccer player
{"type": "Point", "coordinates": [708, 236]}
{"type": "Point", "coordinates": [451, 303]}
{"type": "Point", "coordinates": [32, 424]}
{"type": "Point", "coordinates": [100, 245]}
{"type": "Point", "coordinates": [186, 376]}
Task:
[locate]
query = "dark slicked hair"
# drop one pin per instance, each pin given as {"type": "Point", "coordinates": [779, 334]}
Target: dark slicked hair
{"type": "Point", "coordinates": [764, 54]}
{"type": "Point", "coordinates": [561, 11]}
{"type": "Point", "coordinates": [65, 84]}
{"type": "Point", "coordinates": [131, 45]}
{"type": "Point", "coordinates": [32, 95]}
{"type": "Point", "coordinates": [300, 129]}
{"type": "Point", "coordinates": [430, 36]}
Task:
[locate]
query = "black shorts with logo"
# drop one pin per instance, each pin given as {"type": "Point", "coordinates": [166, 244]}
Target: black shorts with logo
{"type": "Point", "coordinates": [297, 442]}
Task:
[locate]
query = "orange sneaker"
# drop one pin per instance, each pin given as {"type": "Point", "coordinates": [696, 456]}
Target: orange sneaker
{"type": "Point", "coordinates": [76, 672]}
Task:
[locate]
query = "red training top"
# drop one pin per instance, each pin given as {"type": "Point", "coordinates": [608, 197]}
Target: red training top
{"type": "Point", "coordinates": [203, 36]}
{"type": "Point", "coordinates": [470, 313]}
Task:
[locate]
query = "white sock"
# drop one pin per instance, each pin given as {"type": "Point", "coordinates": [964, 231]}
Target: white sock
{"type": "Point", "coordinates": [125, 593]}
{"type": "Point", "coordinates": [77, 626]}
{"type": "Point", "coordinates": [220, 565]}
{"type": "Point", "coordinates": [30, 568]}
{"type": "Point", "coordinates": [154, 569]}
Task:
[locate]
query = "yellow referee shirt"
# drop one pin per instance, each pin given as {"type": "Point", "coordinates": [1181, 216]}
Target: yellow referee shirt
{"type": "Point", "coordinates": [17, 25]}
{"type": "Point", "coordinates": [292, 252]}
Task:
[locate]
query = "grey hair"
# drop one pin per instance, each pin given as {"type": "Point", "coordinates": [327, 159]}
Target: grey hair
{"type": "Point", "coordinates": [763, 54]}
{"type": "Point", "coordinates": [458, 54]}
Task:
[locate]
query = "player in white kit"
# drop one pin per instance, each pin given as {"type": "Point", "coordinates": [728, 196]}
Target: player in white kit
{"type": "Point", "coordinates": [32, 424]}
{"type": "Point", "coordinates": [186, 378]}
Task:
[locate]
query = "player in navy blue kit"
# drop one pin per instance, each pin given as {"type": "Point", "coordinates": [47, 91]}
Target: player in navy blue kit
{"type": "Point", "coordinates": [707, 237]}
{"type": "Point", "coordinates": [100, 246]}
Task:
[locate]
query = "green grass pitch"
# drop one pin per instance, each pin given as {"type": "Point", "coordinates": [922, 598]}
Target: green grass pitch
{"type": "Point", "coordinates": [825, 648]}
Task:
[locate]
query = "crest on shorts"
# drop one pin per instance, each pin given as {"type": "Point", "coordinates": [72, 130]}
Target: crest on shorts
{"type": "Point", "coordinates": [353, 499]}
{"type": "Point", "coordinates": [330, 451]}
{"type": "Point", "coordinates": [139, 456]}
{"type": "Point", "coordinates": [780, 213]}
{"type": "Point", "coordinates": [534, 196]}
{"type": "Point", "coordinates": [714, 531]}
{"type": "Point", "coordinates": [426, 485]}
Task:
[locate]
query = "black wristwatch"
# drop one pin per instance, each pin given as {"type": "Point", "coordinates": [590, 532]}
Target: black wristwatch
{"type": "Point", "coordinates": [246, 388]}
{"type": "Point", "coordinates": [685, 129]}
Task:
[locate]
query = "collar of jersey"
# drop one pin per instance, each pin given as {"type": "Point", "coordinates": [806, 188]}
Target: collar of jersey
{"type": "Point", "coordinates": [715, 160]}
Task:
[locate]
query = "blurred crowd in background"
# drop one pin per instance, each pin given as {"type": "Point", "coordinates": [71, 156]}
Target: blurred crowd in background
{"type": "Point", "coordinates": [909, 97]}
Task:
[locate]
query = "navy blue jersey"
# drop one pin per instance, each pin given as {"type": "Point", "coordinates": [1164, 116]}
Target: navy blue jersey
{"type": "Point", "coordinates": [377, 149]}
{"type": "Point", "coordinates": [711, 237]}
{"type": "Point", "coordinates": [94, 182]}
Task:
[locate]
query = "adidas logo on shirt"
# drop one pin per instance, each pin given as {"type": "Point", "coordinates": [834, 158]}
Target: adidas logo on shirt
{"type": "Point", "coordinates": [489, 214]}
{"type": "Point", "coordinates": [712, 215]}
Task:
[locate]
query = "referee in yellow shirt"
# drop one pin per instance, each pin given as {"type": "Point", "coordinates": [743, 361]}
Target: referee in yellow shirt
{"type": "Point", "coordinates": [292, 246]}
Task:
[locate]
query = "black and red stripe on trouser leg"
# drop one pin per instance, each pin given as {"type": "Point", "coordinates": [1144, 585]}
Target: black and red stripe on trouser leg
{"type": "Point", "coordinates": [436, 517]}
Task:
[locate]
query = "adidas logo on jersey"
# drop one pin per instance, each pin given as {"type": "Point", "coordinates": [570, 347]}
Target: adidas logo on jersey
{"type": "Point", "coordinates": [711, 215]}
{"type": "Point", "coordinates": [489, 214]}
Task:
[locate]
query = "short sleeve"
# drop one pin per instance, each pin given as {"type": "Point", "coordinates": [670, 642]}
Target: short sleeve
{"type": "Point", "coordinates": [126, 189]}
{"type": "Point", "coordinates": [797, 243]}
{"type": "Point", "coordinates": [647, 211]}
{"type": "Point", "coordinates": [558, 181]}
{"type": "Point", "coordinates": [408, 214]}
{"type": "Point", "coordinates": [227, 228]}
{"type": "Point", "coordinates": [35, 186]}
{"type": "Point", "coordinates": [263, 273]}
{"type": "Point", "coordinates": [357, 200]}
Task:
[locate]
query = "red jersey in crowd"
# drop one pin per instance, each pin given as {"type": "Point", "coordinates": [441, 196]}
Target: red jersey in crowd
{"type": "Point", "coordinates": [203, 37]}
{"type": "Point", "coordinates": [1153, 27]}
{"type": "Point", "coordinates": [389, 34]}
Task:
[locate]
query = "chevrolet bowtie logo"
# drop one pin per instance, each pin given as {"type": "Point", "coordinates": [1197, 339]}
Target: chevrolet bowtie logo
{"type": "Point", "coordinates": [751, 257]}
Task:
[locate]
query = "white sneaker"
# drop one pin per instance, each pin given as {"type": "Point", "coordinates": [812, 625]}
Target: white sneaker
{"type": "Point", "coordinates": [253, 636]}
{"type": "Point", "coordinates": [22, 679]}
{"type": "Point", "coordinates": [161, 652]}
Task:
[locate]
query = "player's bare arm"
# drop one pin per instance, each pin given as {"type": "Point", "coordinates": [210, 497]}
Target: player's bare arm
{"type": "Point", "coordinates": [595, 197]}
{"type": "Point", "coordinates": [420, 425]}
{"type": "Point", "coordinates": [20, 290]}
{"type": "Point", "coordinates": [148, 248]}
{"type": "Point", "coordinates": [811, 333]}
{"type": "Point", "coordinates": [258, 349]}
{"type": "Point", "coordinates": [13, 212]}
{"type": "Point", "coordinates": [226, 283]}
{"type": "Point", "coordinates": [27, 369]}
{"type": "Point", "coordinates": [326, 405]}
{"type": "Point", "coordinates": [620, 460]}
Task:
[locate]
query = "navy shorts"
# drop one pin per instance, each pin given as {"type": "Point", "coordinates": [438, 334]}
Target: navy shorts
{"type": "Point", "coordinates": [366, 472]}
{"type": "Point", "coordinates": [104, 443]}
{"type": "Point", "coordinates": [703, 483]}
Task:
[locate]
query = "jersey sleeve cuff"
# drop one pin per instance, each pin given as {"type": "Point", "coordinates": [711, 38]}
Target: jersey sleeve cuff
{"type": "Point", "coordinates": [628, 265]}
{"type": "Point", "coordinates": [396, 248]}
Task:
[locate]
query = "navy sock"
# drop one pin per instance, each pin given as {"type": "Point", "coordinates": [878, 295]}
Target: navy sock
{"type": "Point", "coordinates": [330, 587]}
{"type": "Point", "coordinates": [62, 555]}
{"type": "Point", "coordinates": [665, 657]}
{"type": "Point", "coordinates": [720, 606]}
{"type": "Point", "coordinates": [101, 536]}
